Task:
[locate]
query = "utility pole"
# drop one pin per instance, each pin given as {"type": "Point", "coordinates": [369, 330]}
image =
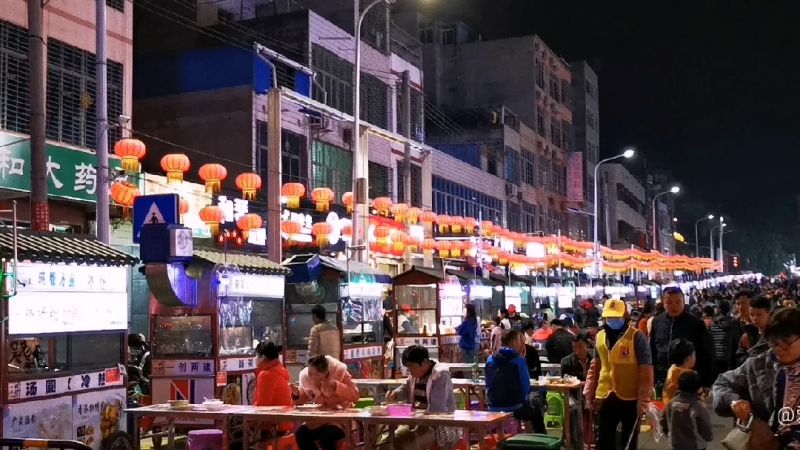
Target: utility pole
{"type": "Point", "coordinates": [39, 211]}
{"type": "Point", "coordinates": [274, 176]}
{"type": "Point", "coordinates": [407, 133]}
{"type": "Point", "coordinates": [102, 213]}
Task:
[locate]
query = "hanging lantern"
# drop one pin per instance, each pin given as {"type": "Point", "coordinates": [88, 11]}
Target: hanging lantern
{"type": "Point", "coordinates": [456, 248]}
{"type": "Point", "coordinates": [382, 234]}
{"type": "Point", "coordinates": [293, 192]}
{"type": "Point", "coordinates": [249, 183]}
{"type": "Point", "coordinates": [457, 224]}
{"type": "Point", "coordinates": [487, 227]}
{"type": "Point", "coordinates": [249, 222]}
{"type": "Point", "coordinates": [347, 232]}
{"type": "Point", "coordinates": [443, 222]}
{"type": "Point", "coordinates": [322, 198]}
{"type": "Point", "coordinates": [412, 243]}
{"type": "Point", "coordinates": [348, 199]}
{"type": "Point", "coordinates": [428, 246]}
{"type": "Point", "coordinates": [444, 248]}
{"type": "Point", "coordinates": [382, 205]}
{"type": "Point", "coordinates": [399, 211]}
{"type": "Point", "coordinates": [398, 242]}
{"type": "Point", "coordinates": [212, 175]}
{"type": "Point", "coordinates": [413, 214]}
{"type": "Point", "coordinates": [428, 218]}
{"type": "Point", "coordinates": [291, 229]}
{"type": "Point", "coordinates": [502, 258]}
{"type": "Point", "coordinates": [175, 164]}
{"type": "Point", "coordinates": [322, 231]}
{"type": "Point", "coordinates": [212, 216]}
{"type": "Point", "coordinates": [184, 206]}
{"type": "Point", "coordinates": [469, 225]}
{"type": "Point", "coordinates": [130, 151]}
{"type": "Point", "coordinates": [123, 194]}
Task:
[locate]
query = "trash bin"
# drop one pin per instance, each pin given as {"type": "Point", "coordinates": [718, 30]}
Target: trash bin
{"type": "Point", "coordinates": [531, 442]}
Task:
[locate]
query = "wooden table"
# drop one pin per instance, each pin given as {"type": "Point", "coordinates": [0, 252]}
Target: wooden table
{"type": "Point", "coordinates": [479, 421]}
{"type": "Point", "coordinates": [196, 412]}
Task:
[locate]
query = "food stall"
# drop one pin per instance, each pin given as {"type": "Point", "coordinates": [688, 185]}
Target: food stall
{"type": "Point", "coordinates": [479, 291]}
{"type": "Point", "coordinates": [352, 294]}
{"type": "Point", "coordinates": [516, 290]}
{"type": "Point", "coordinates": [207, 317]}
{"type": "Point", "coordinates": [429, 305]}
{"type": "Point", "coordinates": [63, 343]}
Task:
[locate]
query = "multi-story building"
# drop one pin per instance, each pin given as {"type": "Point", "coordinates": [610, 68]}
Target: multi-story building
{"type": "Point", "coordinates": [625, 211]}
{"type": "Point", "coordinates": [69, 32]}
{"type": "Point", "coordinates": [586, 125]}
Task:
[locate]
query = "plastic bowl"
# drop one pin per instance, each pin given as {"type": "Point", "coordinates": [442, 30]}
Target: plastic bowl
{"type": "Point", "coordinates": [214, 406]}
{"type": "Point", "coordinates": [400, 410]}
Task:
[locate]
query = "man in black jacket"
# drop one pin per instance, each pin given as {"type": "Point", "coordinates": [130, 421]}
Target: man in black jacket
{"type": "Point", "coordinates": [676, 323]}
{"type": "Point", "coordinates": [559, 346]}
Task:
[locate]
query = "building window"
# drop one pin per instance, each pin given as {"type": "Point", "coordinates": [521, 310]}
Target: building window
{"type": "Point", "coordinates": [380, 180]}
{"type": "Point", "coordinates": [449, 36]}
{"type": "Point", "coordinates": [426, 36]}
{"type": "Point", "coordinates": [374, 101]}
{"type": "Point", "coordinates": [512, 165]}
{"type": "Point", "coordinates": [293, 158]}
{"type": "Point", "coordinates": [332, 167]}
{"type": "Point", "coordinates": [119, 5]}
{"type": "Point", "coordinates": [453, 198]}
{"type": "Point", "coordinates": [14, 79]}
{"type": "Point", "coordinates": [529, 168]}
{"type": "Point", "coordinates": [513, 215]}
{"type": "Point", "coordinates": [555, 132]}
{"type": "Point", "coordinates": [335, 75]}
{"type": "Point", "coordinates": [417, 116]}
{"type": "Point", "coordinates": [540, 128]}
{"type": "Point", "coordinates": [416, 184]}
{"type": "Point", "coordinates": [555, 89]}
{"type": "Point", "coordinates": [71, 95]}
{"type": "Point", "coordinates": [540, 74]}
{"type": "Point", "coordinates": [529, 218]}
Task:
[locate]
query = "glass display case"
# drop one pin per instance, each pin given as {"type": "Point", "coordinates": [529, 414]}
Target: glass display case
{"type": "Point", "coordinates": [244, 322]}
{"type": "Point", "coordinates": [362, 320]}
{"type": "Point", "coordinates": [416, 309]}
{"type": "Point", "coordinates": [300, 322]}
{"type": "Point", "coordinates": [182, 336]}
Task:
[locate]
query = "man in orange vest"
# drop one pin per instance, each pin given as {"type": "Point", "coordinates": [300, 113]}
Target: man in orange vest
{"type": "Point", "coordinates": [619, 383]}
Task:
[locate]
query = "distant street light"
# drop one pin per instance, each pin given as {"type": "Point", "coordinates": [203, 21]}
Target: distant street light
{"type": "Point", "coordinates": [628, 153]}
{"type": "Point", "coordinates": [696, 238]}
{"type": "Point", "coordinates": [672, 190]}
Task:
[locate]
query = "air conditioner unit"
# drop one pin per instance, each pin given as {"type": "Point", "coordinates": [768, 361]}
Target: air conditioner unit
{"type": "Point", "coordinates": [512, 190]}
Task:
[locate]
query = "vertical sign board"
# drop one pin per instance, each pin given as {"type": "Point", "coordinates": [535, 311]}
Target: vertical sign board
{"type": "Point", "coordinates": [575, 177]}
{"type": "Point", "coordinates": [154, 209]}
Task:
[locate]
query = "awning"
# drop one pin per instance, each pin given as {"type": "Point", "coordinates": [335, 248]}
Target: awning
{"type": "Point", "coordinates": [246, 262]}
{"type": "Point", "coordinates": [48, 247]}
{"type": "Point", "coordinates": [525, 279]}
{"type": "Point", "coordinates": [419, 275]}
{"type": "Point", "coordinates": [471, 278]}
{"type": "Point", "coordinates": [355, 268]}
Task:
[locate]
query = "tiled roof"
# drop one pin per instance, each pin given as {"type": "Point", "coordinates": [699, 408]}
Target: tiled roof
{"type": "Point", "coordinates": [246, 262]}
{"type": "Point", "coordinates": [47, 247]}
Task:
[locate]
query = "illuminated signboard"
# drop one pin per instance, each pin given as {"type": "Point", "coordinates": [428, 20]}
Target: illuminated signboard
{"type": "Point", "coordinates": [248, 285]}
{"type": "Point", "coordinates": [68, 298]}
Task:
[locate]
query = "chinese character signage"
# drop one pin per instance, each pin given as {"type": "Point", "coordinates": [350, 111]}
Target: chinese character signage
{"type": "Point", "coordinates": [71, 174]}
{"type": "Point", "coordinates": [42, 419]}
{"type": "Point", "coordinates": [25, 390]}
{"type": "Point", "coordinates": [96, 416]}
{"type": "Point", "coordinates": [183, 368]}
{"type": "Point", "coordinates": [89, 299]}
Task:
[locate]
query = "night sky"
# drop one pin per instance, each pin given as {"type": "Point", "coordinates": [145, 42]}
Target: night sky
{"type": "Point", "coordinates": [708, 89]}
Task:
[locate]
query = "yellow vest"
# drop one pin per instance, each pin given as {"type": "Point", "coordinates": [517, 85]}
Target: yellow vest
{"type": "Point", "coordinates": [619, 372]}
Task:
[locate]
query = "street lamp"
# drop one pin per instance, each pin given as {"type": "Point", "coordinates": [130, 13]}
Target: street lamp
{"type": "Point", "coordinates": [722, 224]}
{"type": "Point", "coordinates": [360, 159]}
{"type": "Point", "coordinates": [596, 259]}
{"type": "Point", "coordinates": [672, 190]}
{"type": "Point", "coordinates": [696, 238]}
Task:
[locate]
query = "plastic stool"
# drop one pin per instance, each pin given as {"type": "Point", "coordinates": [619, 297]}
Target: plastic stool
{"type": "Point", "coordinates": [205, 440]}
{"type": "Point", "coordinates": [554, 417]}
{"type": "Point", "coordinates": [531, 442]}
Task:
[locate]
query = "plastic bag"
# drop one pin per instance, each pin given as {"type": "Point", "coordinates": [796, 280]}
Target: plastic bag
{"type": "Point", "coordinates": [654, 414]}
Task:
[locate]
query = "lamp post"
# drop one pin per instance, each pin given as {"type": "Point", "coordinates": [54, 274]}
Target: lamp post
{"type": "Point", "coordinates": [672, 190]}
{"type": "Point", "coordinates": [721, 252]}
{"type": "Point", "coordinates": [596, 254]}
{"type": "Point", "coordinates": [696, 238]}
{"type": "Point", "coordinates": [711, 235]}
{"type": "Point", "coordinates": [360, 157]}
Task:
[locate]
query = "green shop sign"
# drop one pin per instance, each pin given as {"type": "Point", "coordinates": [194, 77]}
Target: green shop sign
{"type": "Point", "coordinates": [71, 173]}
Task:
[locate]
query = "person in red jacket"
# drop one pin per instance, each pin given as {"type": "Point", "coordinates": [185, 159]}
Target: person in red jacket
{"type": "Point", "coordinates": [272, 380]}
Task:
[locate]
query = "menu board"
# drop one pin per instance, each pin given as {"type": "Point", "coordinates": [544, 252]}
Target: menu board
{"type": "Point", "coordinates": [40, 419]}
{"type": "Point", "coordinates": [61, 298]}
{"type": "Point", "coordinates": [96, 415]}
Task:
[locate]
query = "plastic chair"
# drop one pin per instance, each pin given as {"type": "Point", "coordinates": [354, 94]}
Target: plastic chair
{"type": "Point", "coordinates": [554, 417]}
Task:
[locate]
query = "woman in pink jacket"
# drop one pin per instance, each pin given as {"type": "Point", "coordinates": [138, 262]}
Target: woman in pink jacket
{"type": "Point", "coordinates": [326, 382]}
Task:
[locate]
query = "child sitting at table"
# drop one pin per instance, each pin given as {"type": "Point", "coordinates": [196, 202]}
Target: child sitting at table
{"type": "Point", "coordinates": [428, 388]}
{"type": "Point", "coordinates": [327, 382]}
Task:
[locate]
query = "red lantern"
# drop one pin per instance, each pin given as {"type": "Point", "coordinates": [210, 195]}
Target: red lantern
{"type": "Point", "coordinates": [399, 211]}
{"type": "Point", "coordinates": [123, 194]}
{"type": "Point", "coordinates": [413, 214]}
{"type": "Point", "coordinates": [322, 198]}
{"type": "Point", "coordinates": [249, 183]}
{"type": "Point", "coordinates": [456, 249]}
{"type": "Point", "coordinates": [291, 229]}
{"type": "Point", "coordinates": [469, 225]}
{"type": "Point", "coordinates": [411, 242]}
{"type": "Point", "coordinates": [457, 224]}
{"type": "Point", "coordinates": [322, 230]}
{"type": "Point", "coordinates": [443, 222]}
{"type": "Point", "coordinates": [347, 232]}
{"type": "Point", "coordinates": [175, 164]}
{"type": "Point", "coordinates": [382, 205]}
{"type": "Point", "coordinates": [348, 199]}
{"type": "Point", "coordinates": [249, 222]}
{"type": "Point", "coordinates": [184, 206]}
{"type": "Point", "coordinates": [444, 248]}
{"type": "Point", "coordinates": [212, 216]}
{"type": "Point", "coordinates": [293, 192]}
{"type": "Point", "coordinates": [212, 175]}
{"type": "Point", "coordinates": [398, 242]}
{"type": "Point", "coordinates": [130, 151]}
